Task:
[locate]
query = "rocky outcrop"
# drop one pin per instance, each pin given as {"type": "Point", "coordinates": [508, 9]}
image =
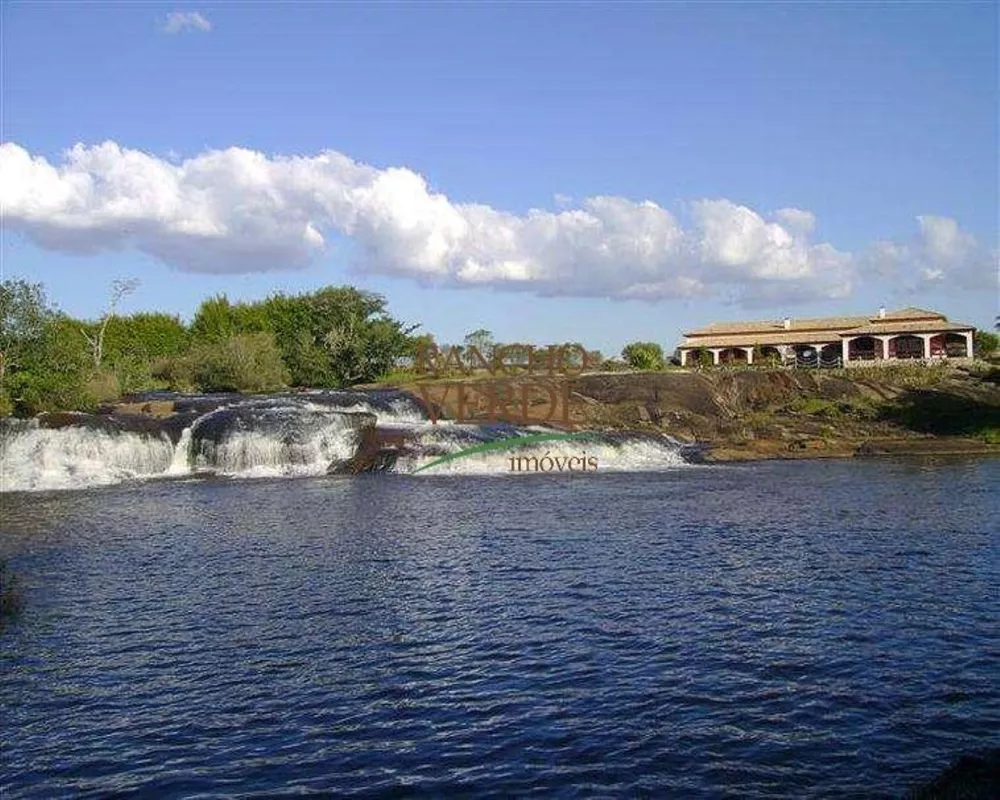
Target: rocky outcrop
{"type": "Point", "coordinates": [800, 413]}
{"type": "Point", "coordinates": [805, 413]}
{"type": "Point", "coordinates": [975, 776]}
{"type": "Point", "coordinates": [118, 423]}
{"type": "Point", "coordinates": [378, 451]}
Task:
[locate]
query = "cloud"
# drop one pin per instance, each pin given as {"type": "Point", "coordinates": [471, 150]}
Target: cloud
{"type": "Point", "coordinates": [178, 21]}
{"type": "Point", "coordinates": [241, 211]}
{"type": "Point", "coordinates": [940, 254]}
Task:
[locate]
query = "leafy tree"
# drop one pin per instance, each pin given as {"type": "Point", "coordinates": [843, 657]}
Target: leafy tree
{"type": "Point", "coordinates": [147, 335]}
{"type": "Point", "coordinates": [245, 362]}
{"type": "Point", "coordinates": [482, 340]}
{"type": "Point", "coordinates": [54, 373]}
{"type": "Point", "coordinates": [985, 343]}
{"type": "Point", "coordinates": [362, 342]}
{"type": "Point", "coordinates": [213, 321]}
{"type": "Point", "coordinates": [643, 355]}
{"type": "Point", "coordinates": [218, 320]}
{"type": "Point", "coordinates": [332, 337]}
{"type": "Point", "coordinates": [135, 344]}
{"type": "Point", "coordinates": [24, 314]}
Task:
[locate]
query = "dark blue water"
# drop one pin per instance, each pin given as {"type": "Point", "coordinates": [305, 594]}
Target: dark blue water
{"type": "Point", "coordinates": [777, 630]}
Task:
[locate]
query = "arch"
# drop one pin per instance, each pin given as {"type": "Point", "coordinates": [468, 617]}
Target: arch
{"type": "Point", "coordinates": [829, 355]}
{"type": "Point", "coordinates": [768, 354]}
{"type": "Point", "coordinates": [733, 355]}
{"type": "Point", "coordinates": [956, 345]}
{"type": "Point", "coordinates": [696, 357]}
{"type": "Point", "coordinates": [906, 345]}
{"type": "Point", "coordinates": [864, 348]}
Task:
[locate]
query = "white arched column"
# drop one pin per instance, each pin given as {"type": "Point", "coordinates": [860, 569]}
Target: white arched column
{"type": "Point", "coordinates": [927, 343]}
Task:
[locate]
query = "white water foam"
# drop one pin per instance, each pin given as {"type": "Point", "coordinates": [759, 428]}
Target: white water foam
{"type": "Point", "coordinates": [636, 455]}
{"type": "Point", "coordinates": [39, 459]}
{"type": "Point", "coordinates": [257, 454]}
{"type": "Point", "coordinates": [180, 463]}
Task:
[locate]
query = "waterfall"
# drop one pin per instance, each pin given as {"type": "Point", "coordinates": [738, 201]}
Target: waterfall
{"type": "Point", "coordinates": [34, 458]}
{"type": "Point", "coordinates": [300, 434]}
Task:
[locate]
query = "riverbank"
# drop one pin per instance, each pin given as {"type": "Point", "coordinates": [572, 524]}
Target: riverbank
{"type": "Point", "coordinates": [775, 414]}
{"type": "Point", "coordinates": [641, 421]}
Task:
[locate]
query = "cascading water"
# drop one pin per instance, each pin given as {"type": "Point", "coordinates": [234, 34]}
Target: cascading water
{"type": "Point", "coordinates": [307, 433]}
{"type": "Point", "coordinates": [596, 452]}
{"type": "Point", "coordinates": [35, 458]}
{"type": "Point", "coordinates": [275, 437]}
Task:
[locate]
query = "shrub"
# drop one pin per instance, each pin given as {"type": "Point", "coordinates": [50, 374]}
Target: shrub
{"type": "Point", "coordinates": [248, 362]}
{"type": "Point", "coordinates": [102, 387]}
{"type": "Point", "coordinates": [985, 344]}
{"type": "Point", "coordinates": [643, 355]}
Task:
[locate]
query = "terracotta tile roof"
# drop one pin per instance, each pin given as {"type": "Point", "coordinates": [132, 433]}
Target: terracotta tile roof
{"type": "Point", "coordinates": [819, 330]}
{"type": "Point", "coordinates": [778, 326]}
{"type": "Point", "coordinates": [911, 313]}
{"type": "Point", "coordinates": [888, 326]}
{"type": "Point", "coordinates": [744, 340]}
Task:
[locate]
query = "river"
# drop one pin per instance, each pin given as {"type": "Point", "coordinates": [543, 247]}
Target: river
{"type": "Point", "coordinates": [821, 629]}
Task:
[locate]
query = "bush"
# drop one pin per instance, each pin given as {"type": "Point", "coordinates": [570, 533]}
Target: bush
{"type": "Point", "coordinates": [248, 362]}
{"type": "Point", "coordinates": [985, 344]}
{"type": "Point", "coordinates": [53, 374]}
{"type": "Point", "coordinates": [102, 387]}
{"type": "Point", "coordinates": [643, 355]}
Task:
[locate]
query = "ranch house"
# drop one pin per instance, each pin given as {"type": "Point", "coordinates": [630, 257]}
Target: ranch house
{"type": "Point", "coordinates": [886, 338]}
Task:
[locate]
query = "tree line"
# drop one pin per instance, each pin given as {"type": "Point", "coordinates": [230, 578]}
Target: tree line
{"type": "Point", "coordinates": [330, 338]}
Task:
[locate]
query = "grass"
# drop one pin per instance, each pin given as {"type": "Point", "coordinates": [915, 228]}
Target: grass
{"type": "Point", "coordinates": [944, 414]}
{"type": "Point", "coordinates": [991, 434]}
{"type": "Point", "coordinates": [908, 376]}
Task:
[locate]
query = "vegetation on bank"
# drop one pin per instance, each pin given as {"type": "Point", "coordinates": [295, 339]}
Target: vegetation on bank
{"type": "Point", "coordinates": [332, 337]}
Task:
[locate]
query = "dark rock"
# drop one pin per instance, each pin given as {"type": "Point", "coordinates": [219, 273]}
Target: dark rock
{"type": "Point", "coordinates": [114, 424]}
{"type": "Point", "coordinates": [971, 777]}
{"type": "Point", "coordinates": [378, 451]}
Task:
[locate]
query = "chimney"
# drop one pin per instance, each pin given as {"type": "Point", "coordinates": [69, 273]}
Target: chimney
{"type": "Point", "coordinates": [881, 312]}
{"type": "Point", "coordinates": [788, 323]}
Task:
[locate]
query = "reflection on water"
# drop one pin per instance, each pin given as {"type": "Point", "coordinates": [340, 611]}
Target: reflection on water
{"type": "Point", "coordinates": [763, 631]}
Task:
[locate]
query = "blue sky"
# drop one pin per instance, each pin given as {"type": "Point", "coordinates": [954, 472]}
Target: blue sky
{"type": "Point", "coordinates": [877, 125]}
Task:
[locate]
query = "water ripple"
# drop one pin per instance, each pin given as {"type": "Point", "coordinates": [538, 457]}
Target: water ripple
{"type": "Point", "coordinates": [712, 633]}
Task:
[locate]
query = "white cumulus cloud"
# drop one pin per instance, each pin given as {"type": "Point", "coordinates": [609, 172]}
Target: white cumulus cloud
{"type": "Point", "coordinates": [238, 210]}
{"type": "Point", "coordinates": [178, 21]}
{"type": "Point", "coordinates": [941, 253]}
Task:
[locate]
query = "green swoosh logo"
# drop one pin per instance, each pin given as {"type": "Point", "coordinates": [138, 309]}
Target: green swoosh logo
{"type": "Point", "coordinates": [505, 444]}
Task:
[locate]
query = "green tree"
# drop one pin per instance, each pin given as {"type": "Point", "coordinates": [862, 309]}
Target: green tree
{"type": "Point", "coordinates": [482, 340]}
{"type": "Point", "coordinates": [245, 362]}
{"type": "Point", "coordinates": [643, 355]}
{"type": "Point", "coordinates": [361, 341]}
{"type": "Point", "coordinates": [53, 374]}
{"type": "Point", "coordinates": [138, 345]}
{"type": "Point", "coordinates": [985, 343]}
{"type": "Point", "coordinates": [213, 321]}
{"type": "Point", "coordinates": [24, 314]}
